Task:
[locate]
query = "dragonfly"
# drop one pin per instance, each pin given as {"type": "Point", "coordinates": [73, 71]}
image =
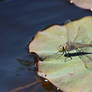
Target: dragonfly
{"type": "Point", "coordinates": [76, 39]}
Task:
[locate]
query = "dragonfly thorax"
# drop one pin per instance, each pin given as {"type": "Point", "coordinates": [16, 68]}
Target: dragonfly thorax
{"type": "Point", "coordinates": [69, 46]}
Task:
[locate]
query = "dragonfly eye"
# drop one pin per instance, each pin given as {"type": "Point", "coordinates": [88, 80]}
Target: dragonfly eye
{"type": "Point", "coordinates": [60, 49]}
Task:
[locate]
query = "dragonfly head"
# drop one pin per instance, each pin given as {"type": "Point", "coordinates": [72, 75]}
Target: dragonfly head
{"type": "Point", "coordinates": [60, 49]}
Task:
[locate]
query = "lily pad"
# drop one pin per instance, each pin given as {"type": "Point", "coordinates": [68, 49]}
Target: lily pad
{"type": "Point", "coordinates": [70, 76]}
{"type": "Point", "coordinates": [86, 4]}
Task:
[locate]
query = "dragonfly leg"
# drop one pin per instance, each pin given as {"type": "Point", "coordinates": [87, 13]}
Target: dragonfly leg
{"type": "Point", "coordinates": [71, 58]}
{"type": "Point", "coordinates": [66, 52]}
{"type": "Point", "coordinates": [60, 54]}
{"type": "Point", "coordinates": [66, 59]}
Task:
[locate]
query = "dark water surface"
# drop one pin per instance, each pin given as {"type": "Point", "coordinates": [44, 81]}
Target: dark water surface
{"type": "Point", "coordinates": [19, 22]}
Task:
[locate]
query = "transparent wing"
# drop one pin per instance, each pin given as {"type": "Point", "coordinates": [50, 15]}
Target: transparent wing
{"type": "Point", "coordinates": [87, 59]}
{"type": "Point", "coordinates": [75, 32]}
{"type": "Point", "coordinates": [71, 30]}
{"type": "Point", "coordinates": [81, 35]}
{"type": "Point", "coordinates": [68, 31]}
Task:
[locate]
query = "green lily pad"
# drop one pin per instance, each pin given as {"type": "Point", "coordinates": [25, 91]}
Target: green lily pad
{"type": "Point", "coordinates": [86, 4]}
{"type": "Point", "coordinates": [70, 76]}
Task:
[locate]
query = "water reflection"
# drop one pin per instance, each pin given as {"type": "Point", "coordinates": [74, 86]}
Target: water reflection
{"type": "Point", "coordinates": [27, 65]}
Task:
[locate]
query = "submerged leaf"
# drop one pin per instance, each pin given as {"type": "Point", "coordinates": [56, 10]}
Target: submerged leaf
{"type": "Point", "coordinates": [70, 76]}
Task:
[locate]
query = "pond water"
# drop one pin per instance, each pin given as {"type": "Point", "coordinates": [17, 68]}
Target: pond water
{"type": "Point", "coordinates": [19, 22]}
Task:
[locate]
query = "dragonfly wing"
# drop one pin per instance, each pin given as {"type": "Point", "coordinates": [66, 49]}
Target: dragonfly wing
{"type": "Point", "coordinates": [67, 30]}
{"type": "Point", "coordinates": [81, 35]}
{"type": "Point", "coordinates": [76, 32]}
{"type": "Point", "coordinates": [87, 60]}
{"type": "Point", "coordinates": [73, 32]}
